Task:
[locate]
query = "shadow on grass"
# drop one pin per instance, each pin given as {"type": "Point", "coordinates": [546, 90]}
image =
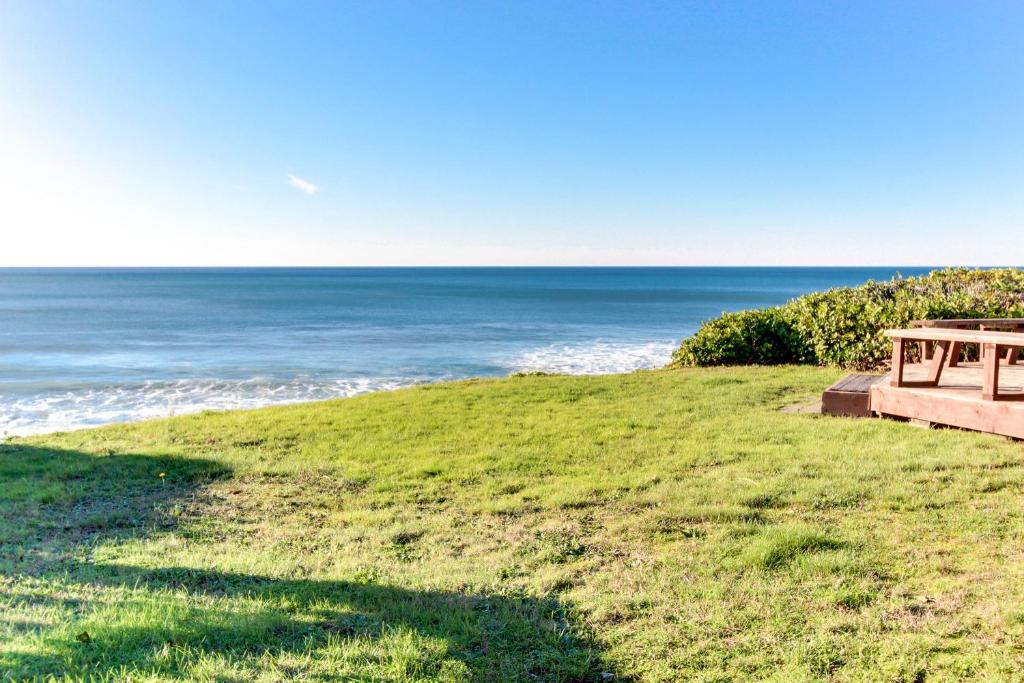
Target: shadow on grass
{"type": "Point", "coordinates": [118, 620]}
{"type": "Point", "coordinates": [55, 502]}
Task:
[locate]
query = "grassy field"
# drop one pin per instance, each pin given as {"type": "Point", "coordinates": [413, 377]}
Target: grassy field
{"type": "Point", "coordinates": [659, 526]}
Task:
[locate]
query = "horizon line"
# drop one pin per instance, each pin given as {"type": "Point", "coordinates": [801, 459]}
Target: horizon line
{"type": "Point", "coordinates": [489, 266]}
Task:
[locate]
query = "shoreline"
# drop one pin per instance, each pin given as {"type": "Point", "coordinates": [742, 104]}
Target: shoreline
{"type": "Point", "coordinates": [184, 410]}
{"type": "Point", "coordinates": [88, 405]}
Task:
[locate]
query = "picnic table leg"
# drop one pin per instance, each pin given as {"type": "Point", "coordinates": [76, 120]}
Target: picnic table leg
{"type": "Point", "coordinates": [1014, 354]}
{"type": "Point", "coordinates": [990, 360]}
{"type": "Point", "coordinates": [927, 349]}
{"type": "Point", "coordinates": [898, 356]}
{"type": "Point", "coordinates": [938, 362]}
{"type": "Point", "coordinates": [1011, 352]}
{"type": "Point", "coordinates": [954, 354]}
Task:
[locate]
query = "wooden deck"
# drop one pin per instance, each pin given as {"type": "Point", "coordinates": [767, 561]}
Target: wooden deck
{"type": "Point", "coordinates": [957, 399]}
{"type": "Point", "coordinates": [944, 386]}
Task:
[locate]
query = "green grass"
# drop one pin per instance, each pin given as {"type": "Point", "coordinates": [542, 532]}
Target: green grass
{"type": "Point", "coordinates": [659, 526]}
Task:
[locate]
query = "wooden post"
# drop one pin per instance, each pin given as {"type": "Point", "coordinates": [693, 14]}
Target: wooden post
{"type": "Point", "coordinates": [927, 349]}
{"type": "Point", "coordinates": [941, 349]}
{"type": "Point", "coordinates": [898, 357]}
{"type": "Point", "coordinates": [990, 359]}
{"type": "Point", "coordinates": [1013, 355]}
{"type": "Point", "coordinates": [954, 354]}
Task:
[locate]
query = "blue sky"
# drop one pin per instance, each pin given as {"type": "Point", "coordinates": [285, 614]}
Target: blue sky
{"type": "Point", "coordinates": [549, 133]}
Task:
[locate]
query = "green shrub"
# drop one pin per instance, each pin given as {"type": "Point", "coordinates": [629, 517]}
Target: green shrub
{"type": "Point", "coordinates": [844, 327]}
{"type": "Point", "coordinates": [763, 337]}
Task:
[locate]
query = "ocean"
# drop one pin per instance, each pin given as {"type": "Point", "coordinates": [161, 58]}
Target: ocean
{"type": "Point", "coordinates": [84, 347]}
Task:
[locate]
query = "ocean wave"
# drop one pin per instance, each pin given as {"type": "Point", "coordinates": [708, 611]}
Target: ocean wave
{"type": "Point", "coordinates": [78, 408]}
{"type": "Point", "coordinates": [52, 409]}
{"type": "Point", "coordinates": [595, 358]}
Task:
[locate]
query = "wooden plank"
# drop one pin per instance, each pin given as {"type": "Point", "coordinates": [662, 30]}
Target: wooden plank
{"type": "Point", "coordinates": [964, 336]}
{"type": "Point", "coordinates": [856, 383]}
{"type": "Point", "coordinates": [990, 361]}
{"type": "Point", "coordinates": [937, 362]}
{"type": "Point", "coordinates": [843, 384]}
{"type": "Point", "coordinates": [962, 322]}
{"type": "Point", "coordinates": [846, 403]}
{"type": "Point", "coordinates": [898, 359]}
{"type": "Point", "coordinates": [965, 411]}
{"type": "Point", "coordinates": [954, 354]}
{"type": "Point", "coordinates": [850, 396]}
{"type": "Point", "coordinates": [863, 383]}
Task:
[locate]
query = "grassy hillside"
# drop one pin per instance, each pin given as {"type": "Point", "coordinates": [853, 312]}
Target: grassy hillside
{"type": "Point", "coordinates": [671, 525]}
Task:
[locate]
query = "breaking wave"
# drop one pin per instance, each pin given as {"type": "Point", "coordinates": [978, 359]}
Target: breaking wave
{"type": "Point", "coordinates": [61, 410]}
{"type": "Point", "coordinates": [55, 409]}
{"type": "Point", "coordinates": [596, 358]}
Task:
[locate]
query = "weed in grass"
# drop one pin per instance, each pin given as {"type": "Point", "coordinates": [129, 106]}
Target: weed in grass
{"type": "Point", "coordinates": [774, 548]}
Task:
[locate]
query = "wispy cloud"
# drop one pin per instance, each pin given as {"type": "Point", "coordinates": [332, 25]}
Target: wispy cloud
{"type": "Point", "coordinates": [301, 185]}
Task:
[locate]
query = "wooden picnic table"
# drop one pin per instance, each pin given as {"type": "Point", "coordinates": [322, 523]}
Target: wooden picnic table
{"type": "Point", "coordinates": [1006, 324]}
{"type": "Point", "coordinates": [943, 339]}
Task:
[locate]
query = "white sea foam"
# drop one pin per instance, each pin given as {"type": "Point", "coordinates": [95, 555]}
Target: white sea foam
{"type": "Point", "coordinates": [87, 407]}
{"type": "Point", "coordinates": [50, 410]}
{"type": "Point", "coordinates": [595, 358]}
